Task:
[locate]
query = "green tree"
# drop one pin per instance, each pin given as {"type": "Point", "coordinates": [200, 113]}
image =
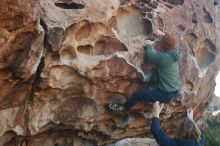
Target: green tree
{"type": "Point", "coordinates": [212, 133]}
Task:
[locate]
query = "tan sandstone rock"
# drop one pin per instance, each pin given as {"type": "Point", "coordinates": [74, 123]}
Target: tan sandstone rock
{"type": "Point", "coordinates": [62, 61]}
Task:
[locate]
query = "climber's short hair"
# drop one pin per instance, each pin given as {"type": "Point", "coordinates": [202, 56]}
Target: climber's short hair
{"type": "Point", "coordinates": [188, 130]}
{"type": "Point", "coordinates": [168, 42]}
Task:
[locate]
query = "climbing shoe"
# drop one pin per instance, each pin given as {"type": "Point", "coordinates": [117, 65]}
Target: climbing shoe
{"type": "Point", "coordinates": [115, 107]}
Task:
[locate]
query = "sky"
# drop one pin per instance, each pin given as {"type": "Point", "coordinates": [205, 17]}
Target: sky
{"type": "Point", "coordinates": [217, 87]}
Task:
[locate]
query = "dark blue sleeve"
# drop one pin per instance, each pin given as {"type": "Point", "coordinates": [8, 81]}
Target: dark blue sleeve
{"type": "Point", "coordinates": [201, 141]}
{"type": "Point", "coordinates": [158, 133]}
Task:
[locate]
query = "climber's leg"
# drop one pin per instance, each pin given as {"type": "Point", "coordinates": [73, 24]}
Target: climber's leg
{"type": "Point", "coordinates": [145, 95]}
{"type": "Point", "coordinates": [151, 95]}
{"type": "Point", "coordinates": [165, 97]}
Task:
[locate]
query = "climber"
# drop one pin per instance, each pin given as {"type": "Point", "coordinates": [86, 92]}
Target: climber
{"type": "Point", "coordinates": [167, 84]}
{"type": "Point", "coordinates": [187, 134]}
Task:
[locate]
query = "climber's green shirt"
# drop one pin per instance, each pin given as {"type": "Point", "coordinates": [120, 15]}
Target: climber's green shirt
{"type": "Point", "coordinates": [167, 67]}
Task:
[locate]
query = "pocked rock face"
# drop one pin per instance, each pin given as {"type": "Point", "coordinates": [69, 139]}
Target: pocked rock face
{"type": "Point", "coordinates": [62, 61]}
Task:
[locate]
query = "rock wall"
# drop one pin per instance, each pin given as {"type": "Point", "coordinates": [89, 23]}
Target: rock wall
{"type": "Point", "coordinates": [135, 142]}
{"type": "Point", "coordinates": [61, 61]}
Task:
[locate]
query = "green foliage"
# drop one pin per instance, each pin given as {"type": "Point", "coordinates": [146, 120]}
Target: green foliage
{"type": "Point", "coordinates": [212, 133]}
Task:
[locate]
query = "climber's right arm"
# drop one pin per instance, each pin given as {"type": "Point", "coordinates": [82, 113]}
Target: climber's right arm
{"type": "Point", "coordinates": [154, 57]}
{"type": "Point", "coordinates": [158, 133]}
{"type": "Point", "coordinates": [160, 136]}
